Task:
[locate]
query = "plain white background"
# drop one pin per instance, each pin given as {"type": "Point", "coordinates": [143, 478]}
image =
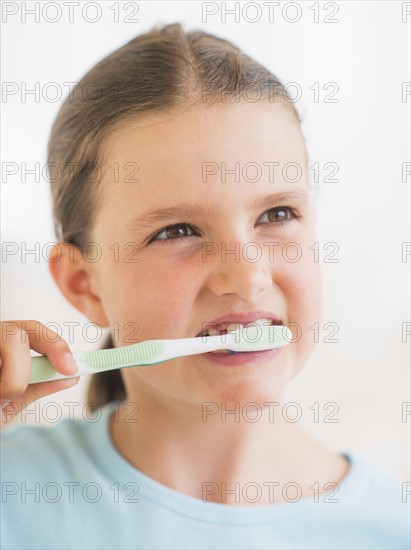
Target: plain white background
{"type": "Point", "coordinates": [366, 212]}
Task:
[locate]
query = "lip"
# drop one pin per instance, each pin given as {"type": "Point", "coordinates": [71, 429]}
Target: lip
{"type": "Point", "coordinates": [241, 359]}
{"type": "Point", "coordinates": [242, 317]}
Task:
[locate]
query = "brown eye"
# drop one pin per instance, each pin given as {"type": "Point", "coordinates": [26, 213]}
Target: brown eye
{"type": "Point", "coordinates": [176, 231]}
{"type": "Point", "coordinates": [173, 232]}
{"type": "Point", "coordinates": [280, 215]}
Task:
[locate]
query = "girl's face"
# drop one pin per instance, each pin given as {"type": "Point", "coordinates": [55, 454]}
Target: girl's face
{"type": "Point", "coordinates": [221, 177]}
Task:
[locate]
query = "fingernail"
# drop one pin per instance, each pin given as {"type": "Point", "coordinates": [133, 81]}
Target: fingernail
{"type": "Point", "coordinates": [69, 360]}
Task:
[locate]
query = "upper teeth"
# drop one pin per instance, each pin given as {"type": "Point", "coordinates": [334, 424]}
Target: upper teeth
{"type": "Point", "coordinates": [215, 330]}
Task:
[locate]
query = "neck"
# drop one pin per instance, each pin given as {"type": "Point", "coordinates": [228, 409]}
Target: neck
{"type": "Point", "coordinates": [211, 452]}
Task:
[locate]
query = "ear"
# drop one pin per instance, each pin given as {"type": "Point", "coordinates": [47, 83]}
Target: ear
{"type": "Point", "coordinates": [75, 278]}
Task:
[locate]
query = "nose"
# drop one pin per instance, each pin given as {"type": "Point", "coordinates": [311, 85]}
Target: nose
{"type": "Point", "coordinates": [237, 269]}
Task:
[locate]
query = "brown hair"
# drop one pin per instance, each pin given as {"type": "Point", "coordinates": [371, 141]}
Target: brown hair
{"type": "Point", "coordinates": [157, 71]}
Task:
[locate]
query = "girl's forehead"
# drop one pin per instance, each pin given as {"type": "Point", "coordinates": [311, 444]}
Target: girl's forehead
{"type": "Point", "coordinates": [219, 153]}
{"type": "Point", "coordinates": [231, 131]}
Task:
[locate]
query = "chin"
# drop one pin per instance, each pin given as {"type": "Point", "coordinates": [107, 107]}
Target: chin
{"type": "Point", "coordinates": [245, 391]}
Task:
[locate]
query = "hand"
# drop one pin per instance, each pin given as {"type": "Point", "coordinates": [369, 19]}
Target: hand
{"type": "Point", "coordinates": [16, 340]}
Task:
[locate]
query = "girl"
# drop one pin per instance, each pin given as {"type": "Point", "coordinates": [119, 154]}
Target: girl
{"type": "Point", "coordinates": [154, 150]}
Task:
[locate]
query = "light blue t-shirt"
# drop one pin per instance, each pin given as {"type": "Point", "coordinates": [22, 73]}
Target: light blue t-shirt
{"type": "Point", "coordinates": [66, 486]}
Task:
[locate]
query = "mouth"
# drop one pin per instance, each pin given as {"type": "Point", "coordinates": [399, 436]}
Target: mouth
{"type": "Point", "coordinates": [230, 325]}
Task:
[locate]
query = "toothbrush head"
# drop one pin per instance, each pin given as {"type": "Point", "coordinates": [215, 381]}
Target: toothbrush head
{"type": "Point", "coordinates": [258, 338]}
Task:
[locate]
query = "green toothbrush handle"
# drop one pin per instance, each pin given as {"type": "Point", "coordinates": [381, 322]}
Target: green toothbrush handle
{"type": "Point", "coordinates": [91, 362]}
{"type": "Point", "coordinates": [43, 371]}
{"type": "Point", "coordinates": [152, 352]}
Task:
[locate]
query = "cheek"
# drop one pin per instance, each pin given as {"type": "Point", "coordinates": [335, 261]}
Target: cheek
{"type": "Point", "coordinates": [301, 277]}
{"type": "Point", "coordinates": [155, 296]}
{"type": "Point", "coordinates": [304, 294]}
{"type": "Point", "coordinates": [302, 287]}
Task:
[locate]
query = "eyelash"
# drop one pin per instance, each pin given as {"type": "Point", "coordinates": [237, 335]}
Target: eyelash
{"type": "Point", "coordinates": [290, 210]}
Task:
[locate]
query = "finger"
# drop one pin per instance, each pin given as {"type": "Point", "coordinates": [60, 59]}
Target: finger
{"type": "Point", "coordinates": [15, 364]}
{"type": "Point", "coordinates": [43, 340]}
{"type": "Point", "coordinates": [13, 407]}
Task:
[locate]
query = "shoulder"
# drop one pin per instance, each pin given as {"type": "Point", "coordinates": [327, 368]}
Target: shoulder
{"type": "Point", "coordinates": [375, 500]}
{"type": "Point", "coordinates": [375, 480]}
{"type": "Point", "coordinates": [50, 446]}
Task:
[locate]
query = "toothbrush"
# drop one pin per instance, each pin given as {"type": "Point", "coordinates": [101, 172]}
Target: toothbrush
{"type": "Point", "coordinates": [152, 352]}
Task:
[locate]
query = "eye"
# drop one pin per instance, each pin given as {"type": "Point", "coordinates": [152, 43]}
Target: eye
{"type": "Point", "coordinates": [172, 232]}
{"type": "Point", "coordinates": [280, 215]}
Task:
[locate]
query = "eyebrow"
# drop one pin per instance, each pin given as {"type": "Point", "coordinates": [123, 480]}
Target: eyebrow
{"type": "Point", "coordinates": [179, 212]}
